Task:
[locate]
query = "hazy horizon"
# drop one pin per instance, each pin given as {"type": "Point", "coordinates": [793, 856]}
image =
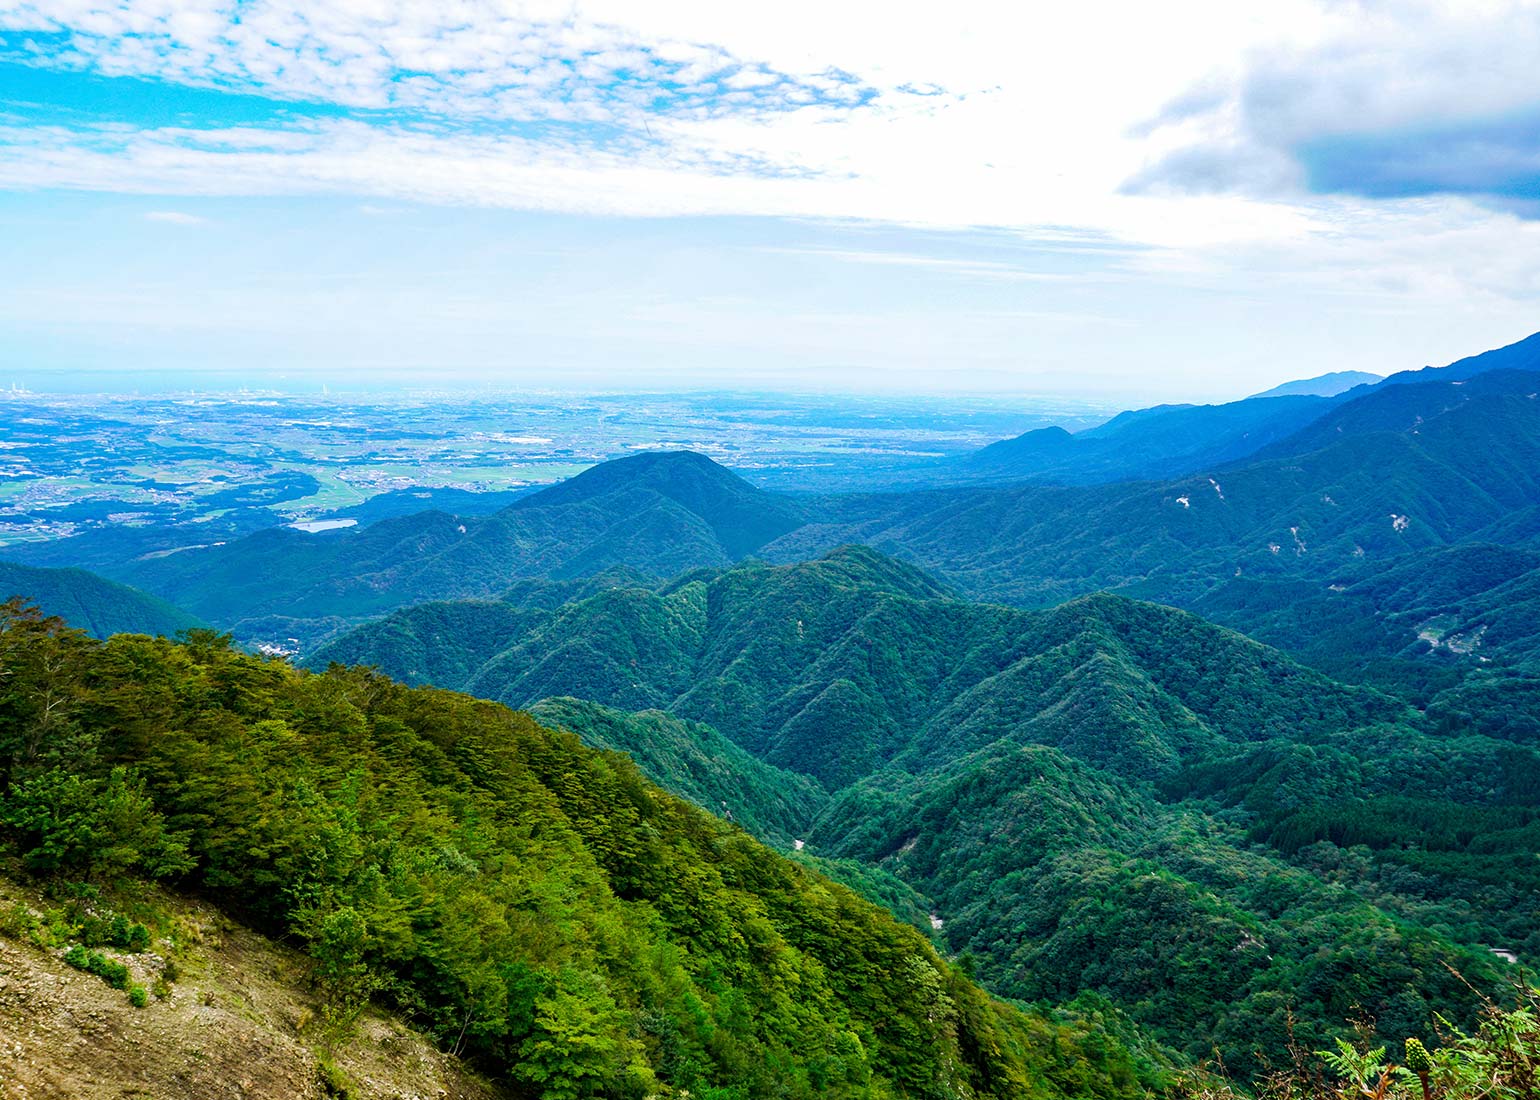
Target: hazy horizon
{"type": "Point", "coordinates": [400, 385]}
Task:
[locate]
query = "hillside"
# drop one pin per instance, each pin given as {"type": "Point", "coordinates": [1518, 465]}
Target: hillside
{"type": "Point", "coordinates": [1417, 622]}
{"type": "Point", "coordinates": [1058, 880]}
{"type": "Point", "coordinates": [94, 604]}
{"type": "Point", "coordinates": [1034, 773]}
{"type": "Point", "coordinates": [534, 904]}
{"type": "Point", "coordinates": [695, 761]}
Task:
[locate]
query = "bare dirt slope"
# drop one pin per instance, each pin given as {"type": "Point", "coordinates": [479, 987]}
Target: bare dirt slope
{"type": "Point", "coordinates": [239, 1021]}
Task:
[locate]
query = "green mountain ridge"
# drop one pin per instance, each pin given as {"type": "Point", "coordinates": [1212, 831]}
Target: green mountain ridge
{"type": "Point", "coordinates": [1050, 780]}
{"type": "Point", "coordinates": [836, 666]}
{"type": "Point", "coordinates": [536, 904]}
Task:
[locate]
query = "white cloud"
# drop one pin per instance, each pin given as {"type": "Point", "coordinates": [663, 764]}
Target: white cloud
{"type": "Point", "coordinates": [1025, 118]}
{"type": "Point", "coordinates": [966, 268]}
{"type": "Point", "coordinates": [468, 59]}
{"type": "Point", "coordinates": [174, 217]}
{"type": "Point", "coordinates": [1418, 96]}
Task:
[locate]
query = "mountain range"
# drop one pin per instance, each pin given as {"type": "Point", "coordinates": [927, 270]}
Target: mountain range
{"type": "Point", "coordinates": [1382, 471]}
{"type": "Point", "coordinates": [968, 750]}
{"type": "Point", "coordinates": [528, 901]}
{"type": "Point", "coordinates": [1207, 730]}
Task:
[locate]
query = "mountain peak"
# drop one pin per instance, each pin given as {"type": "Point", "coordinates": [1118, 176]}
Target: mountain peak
{"type": "Point", "coordinates": [742, 517]}
{"type": "Point", "coordinates": [872, 568]}
{"type": "Point", "coordinates": [1322, 385]}
{"type": "Point", "coordinates": [651, 469]}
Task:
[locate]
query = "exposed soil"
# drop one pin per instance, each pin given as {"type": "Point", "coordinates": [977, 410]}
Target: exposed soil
{"type": "Point", "coordinates": [239, 1022]}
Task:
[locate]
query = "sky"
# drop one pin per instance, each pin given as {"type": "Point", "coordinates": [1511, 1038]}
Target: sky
{"type": "Point", "coordinates": [1192, 200]}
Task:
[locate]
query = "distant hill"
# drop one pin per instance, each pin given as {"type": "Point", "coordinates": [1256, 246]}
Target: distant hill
{"type": "Point", "coordinates": [1167, 441]}
{"type": "Point", "coordinates": [406, 502]}
{"type": "Point", "coordinates": [1164, 441]}
{"type": "Point", "coordinates": [739, 517]}
{"type": "Point", "coordinates": [94, 604]}
{"type": "Point", "coordinates": [1396, 470]}
{"type": "Point", "coordinates": [1323, 385]}
{"type": "Point", "coordinates": [1406, 408]}
{"type": "Point", "coordinates": [656, 513]}
{"type": "Point", "coordinates": [1521, 355]}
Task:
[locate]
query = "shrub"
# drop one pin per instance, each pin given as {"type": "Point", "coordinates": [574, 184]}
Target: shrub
{"type": "Point", "coordinates": [137, 996]}
{"type": "Point", "coordinates": [108, 970]}
{"type": "Point", "coordinates": [133, 937]}
{"type": "Point", "coordinates": [111, 971]}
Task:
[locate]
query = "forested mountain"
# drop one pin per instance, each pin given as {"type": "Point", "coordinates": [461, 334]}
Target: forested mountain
{"type": "Point", "coordinates": [1383, 485]}
{"type": "Point", "coordinates": [836, 666]}
{"type": "Point", "coordinates": [94, 604]}
{"type": "Point", "coordinates": [533, 903]}
{"type": "Point", "coordinates": [1079, 790]}
{"type": "Point", "coordinates": [1456, 630]}
{"type": "Point", "coordinates": [655, 513]}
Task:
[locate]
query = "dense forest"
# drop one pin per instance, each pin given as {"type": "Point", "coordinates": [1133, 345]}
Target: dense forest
{"type": "Point", "coordinates": [534, 903]}
{"type": "Point", "coordinates": [1109, 798]}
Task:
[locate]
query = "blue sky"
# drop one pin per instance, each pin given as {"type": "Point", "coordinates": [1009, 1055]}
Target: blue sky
{"type": "Point", "coordinates": [1212, 199]}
